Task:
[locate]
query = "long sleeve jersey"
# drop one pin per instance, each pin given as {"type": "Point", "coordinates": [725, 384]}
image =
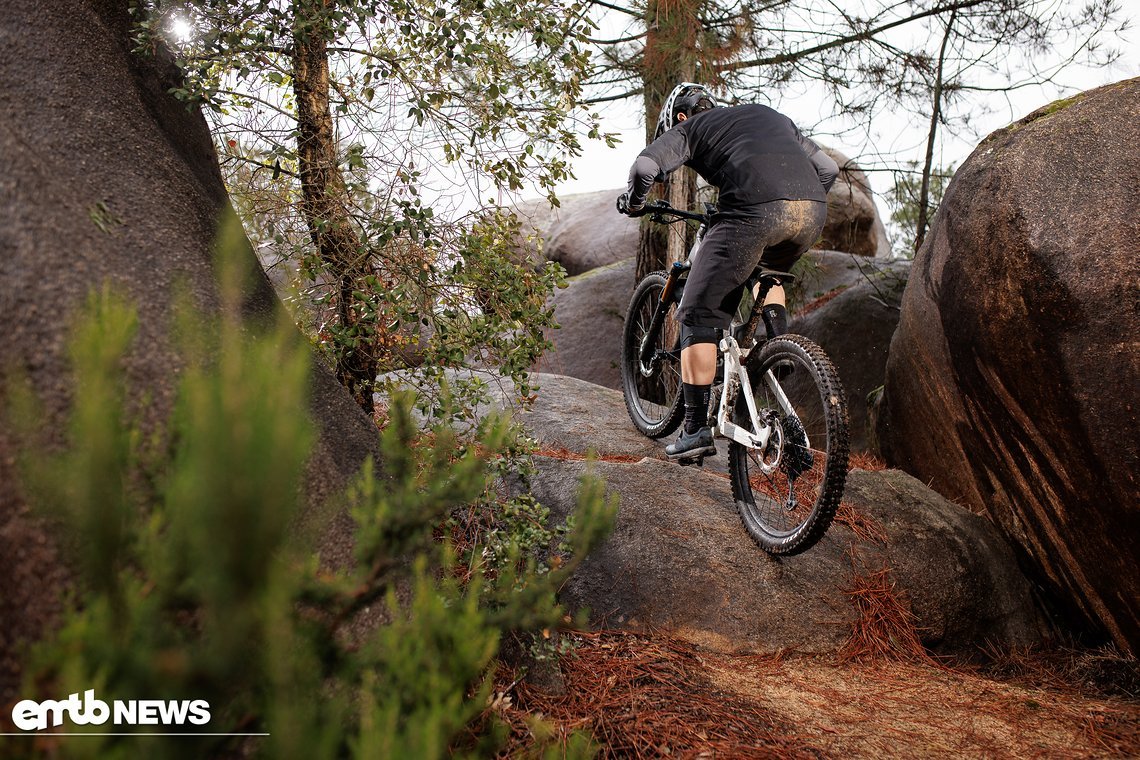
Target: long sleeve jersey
{"type": "Point", "coordinates": [751, 153]}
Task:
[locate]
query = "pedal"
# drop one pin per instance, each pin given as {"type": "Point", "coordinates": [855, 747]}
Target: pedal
{"type": "Point", "coordinates": [698, 459]}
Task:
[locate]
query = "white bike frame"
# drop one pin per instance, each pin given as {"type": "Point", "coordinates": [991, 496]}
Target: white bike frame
{"type": "Point", "coordinates": [736, 380]}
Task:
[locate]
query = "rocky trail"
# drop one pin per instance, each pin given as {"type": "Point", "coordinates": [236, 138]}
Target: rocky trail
{"type": "Point", "coordinates": [904, 633]}
{"type": "Point", "coordinates": [710, 648]}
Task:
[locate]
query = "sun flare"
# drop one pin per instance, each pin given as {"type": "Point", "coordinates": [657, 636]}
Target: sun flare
{"type": "Point", "coordinates": [181, 28]}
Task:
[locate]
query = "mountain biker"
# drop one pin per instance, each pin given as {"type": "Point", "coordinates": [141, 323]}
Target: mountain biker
{"type": "Point", "coordinates": [773, 185]}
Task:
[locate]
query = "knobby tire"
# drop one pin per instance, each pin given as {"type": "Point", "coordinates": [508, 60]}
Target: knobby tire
{"type": "Point", "coordinates": [814, 474]}
{"type": "Point", "coordinates": [654, 403]}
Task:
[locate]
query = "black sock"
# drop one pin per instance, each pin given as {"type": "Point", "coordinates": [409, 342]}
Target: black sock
{"type": "Point", "coordinates": [775, 319]}
{"type": "Point", "coordinates": [696, 406]}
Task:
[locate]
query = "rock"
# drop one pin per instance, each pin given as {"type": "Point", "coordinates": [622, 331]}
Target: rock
{"type": "Point", "coordinates": [959, 574]}
{"type": "Point", "coordinates": [679, 559]}
{"type": "Point", "coordinates": [591, 312]}
{"type": "Point", "coordinates": [108, 178]}
{"type": "Point", "coordinates": [584, 233]}
{"type": "Point", "coordinates": [1012, 379]}
{"type": "Point", "coordinates": [577, 416]}
{"type": "Point", "coordinates": [591, 316]}
{"type": "Point", "coordinates": [855, 329]}
{"type": "Point", "coordinates": [820, 272]}
{"type": "Point", "coordinates": [853, 222]}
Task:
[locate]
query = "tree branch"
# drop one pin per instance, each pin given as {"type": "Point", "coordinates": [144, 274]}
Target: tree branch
{"type": "Point", "coordinates": [610, 98]}
{"type": "Point", "coordinates": [935, 117]}
{"type": "Point", "coordinates": [618, 41]}
{"type": "Point", "coordinates": [618, 8]}
{"type": "Point", "coordinates": [862, 36]}
{"type": "Point", "coordinates": [260, 164]}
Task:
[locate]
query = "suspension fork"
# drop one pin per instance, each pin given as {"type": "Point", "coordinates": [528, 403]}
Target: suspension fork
{"type": "Point", "coordinates": [645, 353]}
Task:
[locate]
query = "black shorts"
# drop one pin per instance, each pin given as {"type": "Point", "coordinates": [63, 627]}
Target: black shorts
{"type": "Point", "coordinates": [732, 249]}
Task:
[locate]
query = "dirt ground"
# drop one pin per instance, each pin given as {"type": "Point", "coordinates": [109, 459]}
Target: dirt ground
{"type": "Point", "coordinates": [651, 696]}
{"type": "Point", "coordinates": [905, 710]}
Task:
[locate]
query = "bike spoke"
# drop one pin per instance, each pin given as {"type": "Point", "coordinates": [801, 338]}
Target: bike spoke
{"type": "Point", "coordinates": [787, 492]}
{"type": "Point", "coordinates": [771, 492]}
{"type": "Point", "coordinates": [652, 389]}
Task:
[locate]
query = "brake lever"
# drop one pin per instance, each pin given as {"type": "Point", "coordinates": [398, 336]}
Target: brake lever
{"type": "Point", "coordinates": [655, 211]}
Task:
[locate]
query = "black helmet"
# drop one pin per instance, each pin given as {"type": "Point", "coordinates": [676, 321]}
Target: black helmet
{"type": "Point", "coordinates": [687, 98]}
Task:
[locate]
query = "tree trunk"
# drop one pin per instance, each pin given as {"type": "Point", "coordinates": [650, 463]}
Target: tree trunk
{"type": "Point", "coordinates": [670, 58]}
{"type": "Point", "coordinates": [324, 198]}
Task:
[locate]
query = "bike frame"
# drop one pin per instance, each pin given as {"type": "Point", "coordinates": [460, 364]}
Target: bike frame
{"type": "Point", "coordinates": [736, 381]}
{"type": "Point", "coordinates": [736, 378]}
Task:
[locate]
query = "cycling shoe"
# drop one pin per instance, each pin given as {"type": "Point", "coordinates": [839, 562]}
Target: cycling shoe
{"type": "Point", "coordinates": [692, 445]}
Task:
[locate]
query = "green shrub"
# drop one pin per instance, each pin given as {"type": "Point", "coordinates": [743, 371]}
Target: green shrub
{"type": "Point", "coordinates": [196, 583]}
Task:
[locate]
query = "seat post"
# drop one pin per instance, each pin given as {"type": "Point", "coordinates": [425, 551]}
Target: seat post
{"type": "Point", "coordinates": [767, 279]}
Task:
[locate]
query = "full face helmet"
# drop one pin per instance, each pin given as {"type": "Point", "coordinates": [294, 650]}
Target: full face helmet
{"type": "Point", "coordinates": [687, 98]}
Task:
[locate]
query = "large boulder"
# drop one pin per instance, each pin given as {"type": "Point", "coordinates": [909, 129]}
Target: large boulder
{"type": "Point", "coordinates": [853, 222]}
{"type": "Point", "coordinates": [590, 313]}
{"type": "Point", "coordinates": [584, 232]}
{"type": "Point", "coordinates": [1012, 384]}
{"type": "Point", "coordinates": [679, 559]}
{"type": "Point", "coordinates": [108, 178]}
{"type": "Point", "coordinates": [855, 329]}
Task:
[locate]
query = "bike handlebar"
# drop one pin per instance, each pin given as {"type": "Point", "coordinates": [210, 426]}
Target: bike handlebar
{"type": "Point", "coordinates": [657, 210]}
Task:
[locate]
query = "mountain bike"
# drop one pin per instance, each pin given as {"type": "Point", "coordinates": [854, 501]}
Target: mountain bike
{"type": "Point", "coordinates": [779, 402]}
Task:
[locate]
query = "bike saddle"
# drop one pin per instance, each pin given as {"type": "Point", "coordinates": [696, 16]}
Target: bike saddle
{"type": "Point", "coordinates": [775, 275]}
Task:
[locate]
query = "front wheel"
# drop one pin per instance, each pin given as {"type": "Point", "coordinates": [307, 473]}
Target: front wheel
{"type": "Point", "coordinates": [652, 388]}
{"type": "Point", "coordinates": [788, 490]}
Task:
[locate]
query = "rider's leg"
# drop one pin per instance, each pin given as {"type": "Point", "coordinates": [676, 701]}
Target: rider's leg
{"type": "Point", "coordinates": [796, 227]}
{"type": "Point", "coordinates": [775, 295]}
{"type": "Point", "coordinates": [728, 254]}
{"type": "Point", "coordinates": [698, 366]}
{"type": "Point", "coordinates": [774, 312]}
{"type": "Point", "coordinates": [698, 363]}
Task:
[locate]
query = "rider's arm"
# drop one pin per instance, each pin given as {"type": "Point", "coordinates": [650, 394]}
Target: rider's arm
{"type": "Point", "coordinates": [825, 167]}
{"type": "Point", "coordinates": [665, 154]}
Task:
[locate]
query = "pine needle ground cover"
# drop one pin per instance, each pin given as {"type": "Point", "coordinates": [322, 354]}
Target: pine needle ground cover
{"type": "Point", "coordinates": [646, 696]}
{"type": "Point", "coordinates": [883, 694]}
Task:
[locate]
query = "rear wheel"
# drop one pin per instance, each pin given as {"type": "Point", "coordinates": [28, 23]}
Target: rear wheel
{"type": "Point", "coordinates": [788, 490]}
{"type": "Point", "coordinates": [652, 389]}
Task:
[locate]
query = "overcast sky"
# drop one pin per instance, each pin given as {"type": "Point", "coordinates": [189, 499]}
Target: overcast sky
{"type": "Point", "coordinates": [895, 137]}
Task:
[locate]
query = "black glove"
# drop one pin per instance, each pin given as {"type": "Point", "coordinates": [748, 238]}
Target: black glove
{"type": "Point", "coordinates": [623, 206]}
